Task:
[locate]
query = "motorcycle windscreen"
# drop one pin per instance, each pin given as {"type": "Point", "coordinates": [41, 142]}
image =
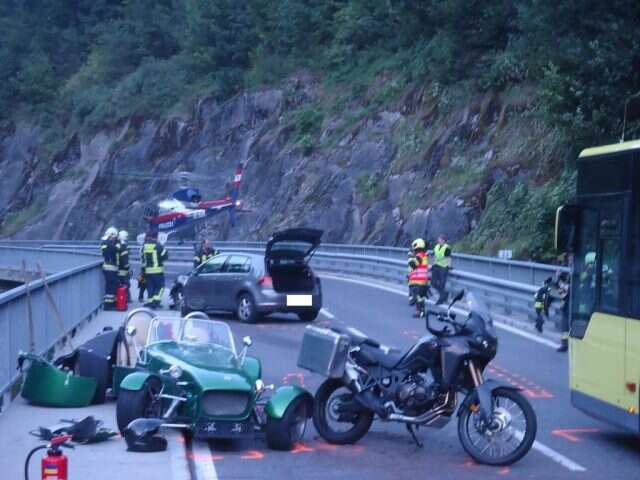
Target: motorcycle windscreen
{"type": "Point", "coordinates": [49, 386]}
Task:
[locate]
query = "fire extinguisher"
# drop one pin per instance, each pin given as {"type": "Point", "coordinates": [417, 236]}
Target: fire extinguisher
{"type": "Point", "coordinates": [54, 465]}
{"type": "Point", "coordinates": [121, 298]}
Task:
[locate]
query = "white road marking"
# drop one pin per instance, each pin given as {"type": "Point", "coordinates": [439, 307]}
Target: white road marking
{"type": "Point", "coordinates": [500, 325]}
{"type": "Point", "coordinates": [203, 461]}
{"type": "Point", "coordinates": [530, 336]}
{"type": "Point", "coordinates": [327, 313]}
{"type": "Point", "coordinates": [553, 455]}
{"type": "Point", "coordinates": [558, 457]}
{"type": "Point", "coordinates": [178, 457]}
{"type": "Point", "coordinates": [366, 284]}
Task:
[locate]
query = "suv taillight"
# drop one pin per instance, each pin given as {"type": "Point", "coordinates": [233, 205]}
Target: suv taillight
{"type": "Point", "coordinates": [265, 281]}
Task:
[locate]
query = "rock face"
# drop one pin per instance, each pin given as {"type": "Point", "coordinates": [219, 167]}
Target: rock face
{"type": "Point", "coordinates": [385, 178]}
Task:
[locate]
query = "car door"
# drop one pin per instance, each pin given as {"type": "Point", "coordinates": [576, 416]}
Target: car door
{"type": "Point", "coordinates": [230, 282]}
{"type": "Point", "coordinates": [202, 290]}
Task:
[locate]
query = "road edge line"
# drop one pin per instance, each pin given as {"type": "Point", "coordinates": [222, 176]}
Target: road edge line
{"type": "Point", "coordinates": [178, 457]}
{"type": "Point", "coordinates": [500, 325]}
{"type": "Point", "coordinates": [558, 457]}
{"type": "Point", "coordinates": [204, 470]}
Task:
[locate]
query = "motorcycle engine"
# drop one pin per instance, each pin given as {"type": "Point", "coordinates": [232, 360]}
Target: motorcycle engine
{"type": "Point", "coordinates": [414, 394]}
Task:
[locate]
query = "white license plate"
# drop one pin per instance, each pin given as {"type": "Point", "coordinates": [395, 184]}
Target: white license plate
{"type": "Point", "coordinates": [299, 301]}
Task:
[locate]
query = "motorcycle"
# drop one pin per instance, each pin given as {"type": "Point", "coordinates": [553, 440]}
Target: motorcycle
{"type": "Point", "coordinates": [496, 424]}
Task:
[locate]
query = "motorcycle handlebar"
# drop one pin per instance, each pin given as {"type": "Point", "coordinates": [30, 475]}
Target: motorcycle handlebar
{"type": "Point", "coordinates": [457, 328]}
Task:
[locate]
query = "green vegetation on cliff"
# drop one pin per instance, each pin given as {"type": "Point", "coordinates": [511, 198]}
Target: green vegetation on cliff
{"type": "Point", "coordinates": [84, 65]}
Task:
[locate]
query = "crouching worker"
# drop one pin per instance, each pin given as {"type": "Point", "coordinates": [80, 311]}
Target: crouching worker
{"type": "Point", "coordinates": [541, 302]}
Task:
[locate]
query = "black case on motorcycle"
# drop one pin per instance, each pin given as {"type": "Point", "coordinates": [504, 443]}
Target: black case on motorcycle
{"type": "Point", "coordinates": [324, 351]}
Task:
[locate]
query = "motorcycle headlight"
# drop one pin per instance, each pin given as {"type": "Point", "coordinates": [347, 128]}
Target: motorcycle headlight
{"type": "Point", "coordinates": [175, 372]}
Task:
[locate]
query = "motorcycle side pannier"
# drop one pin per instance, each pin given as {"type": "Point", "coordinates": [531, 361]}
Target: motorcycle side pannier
{"type": "Point", "coordinates": [323, 351]}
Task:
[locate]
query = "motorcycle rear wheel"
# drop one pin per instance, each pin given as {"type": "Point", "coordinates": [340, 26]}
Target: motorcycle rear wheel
{"type": "Point", "coordinates": [324, 413]}
{"type": "Point", "coordinates": [512, 418]}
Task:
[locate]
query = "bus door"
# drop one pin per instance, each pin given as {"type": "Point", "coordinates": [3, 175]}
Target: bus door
{"type": "Point", "coordinates": [599, 339]}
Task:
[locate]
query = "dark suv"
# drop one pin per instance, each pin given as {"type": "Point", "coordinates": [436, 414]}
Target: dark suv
{"type": "Point", "coordinates": [281, 280]}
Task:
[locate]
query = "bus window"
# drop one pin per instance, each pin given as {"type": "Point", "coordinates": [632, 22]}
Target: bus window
{"type": "Point", "coordinates": [611, 249]}
{"type": "Point", "coordinates": [610, 274]}
{"type": "Point", "coordinates": [583, 281]}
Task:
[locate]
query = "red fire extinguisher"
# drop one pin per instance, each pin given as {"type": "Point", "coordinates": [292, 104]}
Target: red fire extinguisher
{"type": "Point", "coordinates": [121, 298]}
{"type": "Point", "coordinates": [54, 465]}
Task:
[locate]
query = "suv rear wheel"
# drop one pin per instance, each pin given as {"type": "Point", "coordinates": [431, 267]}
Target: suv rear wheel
{"type": "Point", "coordinates": [246, 308]}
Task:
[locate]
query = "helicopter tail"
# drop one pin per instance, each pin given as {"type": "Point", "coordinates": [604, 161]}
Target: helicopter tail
{"type": "Point", "coordinates": [235, 192]}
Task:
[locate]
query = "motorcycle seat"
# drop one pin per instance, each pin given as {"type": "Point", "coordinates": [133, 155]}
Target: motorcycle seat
{"type": "Point", "coordinates": [357, 337]}
{"type": "Point", "coordinates": [387, 358]}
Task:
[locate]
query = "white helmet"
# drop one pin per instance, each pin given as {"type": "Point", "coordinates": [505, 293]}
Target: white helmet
{"type": "Point", "coordinates": [111, 232]}
{"type": "Point", "coordinates": [123, 235]}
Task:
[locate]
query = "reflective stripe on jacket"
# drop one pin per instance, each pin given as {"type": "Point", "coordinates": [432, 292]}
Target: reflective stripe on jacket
{"type": "Point", "coordinates": [123, 260]}
{"type": "Point", "coordinates": [110, 250]}
{"type": "Point", "coordinates": [153, 256]}
{"type": "Point", "coordinates": [420, 274]}
{"type": "Point", "coordinates": [202, 257]}
{"type": "Point", "coordinates": [440, 252]}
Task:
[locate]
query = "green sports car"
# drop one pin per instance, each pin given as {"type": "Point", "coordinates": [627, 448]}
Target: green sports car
{"type": "Point", "coordinates": [189, 375]}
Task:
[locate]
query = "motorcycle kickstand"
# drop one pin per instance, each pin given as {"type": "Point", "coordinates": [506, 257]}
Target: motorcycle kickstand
{"type": "Point", "coordinates": [413, 435]}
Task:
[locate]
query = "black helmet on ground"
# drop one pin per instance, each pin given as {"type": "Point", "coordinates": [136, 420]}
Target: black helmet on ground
{"type": "Point", "coordinates": [140, 436]}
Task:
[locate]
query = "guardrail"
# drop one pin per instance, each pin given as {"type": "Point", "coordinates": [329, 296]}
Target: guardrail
{"type": "Point", "coordinates": [76, 287]}
{"type": "Point", "coordinates": [512, 270]}
{"type": "Point", "coordinates": [506, 286]}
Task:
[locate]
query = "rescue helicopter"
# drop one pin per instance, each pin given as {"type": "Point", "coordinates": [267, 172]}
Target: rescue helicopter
{"type": "Point", "coordinates": [186, 208]}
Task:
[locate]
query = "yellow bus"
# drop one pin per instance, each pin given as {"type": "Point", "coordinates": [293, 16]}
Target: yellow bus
{"type": "Point", "coordinates": [602, 231]}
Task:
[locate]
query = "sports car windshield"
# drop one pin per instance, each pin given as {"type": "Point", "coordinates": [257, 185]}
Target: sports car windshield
{"type": "Point", "coordinates": [191, 331]}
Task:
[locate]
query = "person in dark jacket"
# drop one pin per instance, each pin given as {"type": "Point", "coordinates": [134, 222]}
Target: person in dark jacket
{"type": "Point", "coordinates": [123, 262]}
{"type": "Point", "coordinates": [153, 257]}
{"type": "Point", "coordinates": [110, 249]}
{"type": "Point", "coordinates": [203, 253]}
{"type": "Point", "coordinates": [541, 301]}
{"type": "Point", "coordinates": [441, 267]}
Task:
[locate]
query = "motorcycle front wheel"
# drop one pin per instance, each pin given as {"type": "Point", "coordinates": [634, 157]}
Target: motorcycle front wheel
{"type": "Point", "coordinates": [506, 436]}
{"type": "Point", "coordinates": [333, 426]}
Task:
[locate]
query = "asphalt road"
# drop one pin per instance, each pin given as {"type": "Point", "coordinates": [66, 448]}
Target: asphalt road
{"type": "Point", "coordinates": [569, 444]}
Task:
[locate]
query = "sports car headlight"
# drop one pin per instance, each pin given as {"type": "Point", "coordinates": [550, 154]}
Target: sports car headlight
{"type": "Point", "coordinates": [175, 372]}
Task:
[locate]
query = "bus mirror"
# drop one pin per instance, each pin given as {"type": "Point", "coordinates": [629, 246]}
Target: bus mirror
{"type": "Point", "coordinates": [566, 227]}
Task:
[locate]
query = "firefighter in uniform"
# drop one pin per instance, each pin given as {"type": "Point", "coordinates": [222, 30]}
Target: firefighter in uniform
{"type": "Point", "coordinates": [541, 301]}
{"type": "Point", "coordinates": [110, 251]}
{"type": "Point", "coordinates": [418, 275]}
{"type": "Point", "coordinates": [563, 284]}
{"type": "Point", "coordinates": [123, 261]}
{"type": "Point", "coordinates": [154, 254]}
{"type": "Point", "coordinates": [441, 267]}
{"type": "Point", "coordinates": [203, 254]}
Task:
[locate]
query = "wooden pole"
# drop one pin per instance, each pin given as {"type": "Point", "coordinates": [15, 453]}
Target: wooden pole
{"type": "Point", "coordinates": [52, 301]}
{"type": "Point", "coordinates": [32, 339]}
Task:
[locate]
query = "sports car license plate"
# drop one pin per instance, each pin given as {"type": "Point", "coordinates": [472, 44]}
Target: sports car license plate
{"type": "Point", "coordinates": [224, 429]}
{"type": "Point", "coordinates": [299, 301]}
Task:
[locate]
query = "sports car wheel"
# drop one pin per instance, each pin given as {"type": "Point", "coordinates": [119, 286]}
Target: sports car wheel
{"type": "Point", "coordinates": [143, 403]}
{"type": "Point", "coordinates": [284, 432]}
{"type": "Point", "coordinates": [246, 308]}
